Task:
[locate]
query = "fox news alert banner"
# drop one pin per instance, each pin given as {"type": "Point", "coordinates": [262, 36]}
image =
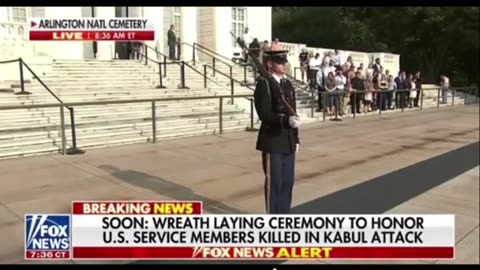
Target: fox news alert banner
{"type": "Point", "coordinates": [136, 230]}
{"type": "Point", "coordinates": [92, 29]}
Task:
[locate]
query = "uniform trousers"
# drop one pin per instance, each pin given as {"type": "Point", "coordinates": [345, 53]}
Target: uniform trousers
{"type": "Point", "coordinates": [171, 52]}
{"type": "Point", "coordinates": [279, 172]}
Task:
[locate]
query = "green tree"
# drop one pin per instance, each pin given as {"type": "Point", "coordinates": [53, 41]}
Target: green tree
{"type": "Point", "coordinates": [433, 40]}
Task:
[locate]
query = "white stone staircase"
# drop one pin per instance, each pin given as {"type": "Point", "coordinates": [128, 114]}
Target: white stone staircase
{"type": "Point", "coordinates": [36, 131]}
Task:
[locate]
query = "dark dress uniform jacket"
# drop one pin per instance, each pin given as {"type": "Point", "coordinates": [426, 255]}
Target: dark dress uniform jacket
{"type": "Point", "coordinates": [171, 38]}
{"type": "Point", "coordinates": [275, 135]}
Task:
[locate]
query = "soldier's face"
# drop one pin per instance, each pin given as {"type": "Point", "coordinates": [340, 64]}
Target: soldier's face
{"type": "Point", "coordinates": [279, 68]}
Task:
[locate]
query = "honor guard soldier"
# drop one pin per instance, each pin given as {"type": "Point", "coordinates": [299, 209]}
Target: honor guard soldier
{"type": "Point", "coordinates": [278, 135]}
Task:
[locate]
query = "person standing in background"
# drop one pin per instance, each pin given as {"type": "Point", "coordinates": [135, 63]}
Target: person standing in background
{"type": "Point", "coordinates": [303, 59]}
{"type": "Point", "coordinates": [172, 42]}
{"type": "Point", "coordinates": [358, 84]}
{"type": "Point", "coordinates": [362, 72]}
{"type": "Point", "coordinates": [377, 67]}
{"type": "Point", "coordinates": [321, 77]}
{"type": "Point", "coordinates": [338, 59]}
{"type": "Point", "coordinates": [255, 48]}
{"type": "Point", "coordinates": [410, 86]}
{"type": "Point", "coordinates": [444, 85]}
{"type": "Point", "coordinates": [392, 86]}
{"type": "Point", "coordinates": [418, 87]}
{"type": "Point", "coordinates": [314, 64]}
{"type": "Point", "coordinates": [368, 97]}
{"type": "Point", "coordinates": [265, 48]}
{"type": "Point", "coordinates": [383, 86]}
{"type": "Point", "coordinates": [330, 86]}
{"type": "Point", "coordinates": [349, 62]}
{"type": "Point", "coordinates": [340, 82]}
{"type": "Point", "coordinates": [276, 46]}
{"type": "Point", "coordinates": [348, 90]}
{"type": "Point", "coordinates": [247, 39]}
{"type": "Point", "coordinates": [400, 99]}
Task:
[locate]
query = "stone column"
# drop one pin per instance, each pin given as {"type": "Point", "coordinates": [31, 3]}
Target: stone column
{"type": "Point", "coordinates": [105, 49]}
{"type": "Point", "coordinates": [189, 32]}
{"type": "Point", "coordinates": [155, 14]}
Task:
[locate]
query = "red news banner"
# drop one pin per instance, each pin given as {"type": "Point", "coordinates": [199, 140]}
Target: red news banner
{"type": "Point", "coordinates": [178, 230]}
{"type": "Point", "coordinates": [92, 29]}
{"type": "Point", "coordinates": [91, 35]}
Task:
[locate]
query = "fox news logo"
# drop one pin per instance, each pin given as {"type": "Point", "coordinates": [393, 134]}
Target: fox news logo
{"type": "Point", "coordinates": [47, 236]}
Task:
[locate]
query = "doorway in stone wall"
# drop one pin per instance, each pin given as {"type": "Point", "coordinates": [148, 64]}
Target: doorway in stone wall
{"type": "Point", "coordinates": [122, 50]}
{"type": "Point", "coordinates": [90, 49]}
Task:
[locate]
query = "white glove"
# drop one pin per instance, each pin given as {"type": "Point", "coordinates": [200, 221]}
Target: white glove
{"type": "Point", "coordinates": [294, 121]}
{"type": "Point", "coordinates": [298, 147]}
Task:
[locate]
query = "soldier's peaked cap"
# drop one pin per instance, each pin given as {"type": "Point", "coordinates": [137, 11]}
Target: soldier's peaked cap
{"type": "Point", "coordinates": [279, 57]}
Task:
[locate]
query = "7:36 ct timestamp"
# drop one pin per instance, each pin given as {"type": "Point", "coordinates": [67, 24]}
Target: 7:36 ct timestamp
{"type": "Point", "coordinates": [48, 255]}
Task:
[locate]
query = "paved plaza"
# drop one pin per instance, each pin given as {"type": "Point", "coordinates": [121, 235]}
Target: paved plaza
{"type": "Point", "coordinates": [412, 162]}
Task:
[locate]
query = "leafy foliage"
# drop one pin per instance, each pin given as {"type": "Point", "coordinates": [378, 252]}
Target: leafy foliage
{"type": "Point", "coordinates": [433, 40]}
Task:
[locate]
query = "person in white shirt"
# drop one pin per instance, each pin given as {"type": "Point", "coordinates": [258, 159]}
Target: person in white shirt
{"type": "Point", "coordinates": [369, 70]}
{"type": "Point", "coordinates": [444, 85]}
{"type": "Point", "coordinates": [321, 79]}
{"type": "Point", "coordinates": [349, 62]}
{"type": "Point", "coordinates": [331, 56]}
{"type": "Point", "coordinates": [338, 58]}
{"type": "Point", "coordinates": [331, 66]}
{"type": "Point", "coordinates": [326, 58]}
{"type": "Point", "coordinates": [314, 65]}
{"type": "Point", "coordinates": [368, 97]}
{"type": "Point", "coordinates": [340, 82]}
{"type": "Point", "coordinates": [392, 86]}
{"type": "Point", "coordinates": [362, 71]}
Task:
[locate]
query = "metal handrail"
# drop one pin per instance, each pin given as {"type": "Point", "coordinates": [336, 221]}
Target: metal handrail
{"type": "Point", "coordinates": [195, 45]}
{"type": "Point", "coordinates": [142, 54]}
{"type": "Point", "coordinates": [244, 66]}
{"type": "Point", "coordinates": [325, 95]}
{"type": "Point", "coordinates": [228, 76]}
{"type": "Point", "coordinates": [124, 101]}
{"type": "Point", "coordinates": [154, 61]}
{"type": "Point", "coordinates": [8, 61]}
{"type": "Point", "coordinates": [196, 70]}
{"type": "Point", "coordinates": [212, 51]}
{"type": "Point", "coordinates": [158, 52]}
{"type": "Point", "coordinates": [154, 100]}
{"type": "Point", "coordinates": [214, 68]}
{"type": "Point", "coordinates": [293, 78]}
{"type": "Point", "coordinates": [200, 49]}
{"type": "Point", "coordinates": [221, 73]}
{"type": "Point", "coordinates": [335, 92]}
{"type": "Point", "coordinates": [181, 63]}
{"type": "Point", "coordinates": [74, 150]}
{"type": "Point", "coordinates": [118, 101]}
{"type": "Point", "coordinates": [43, 84]}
